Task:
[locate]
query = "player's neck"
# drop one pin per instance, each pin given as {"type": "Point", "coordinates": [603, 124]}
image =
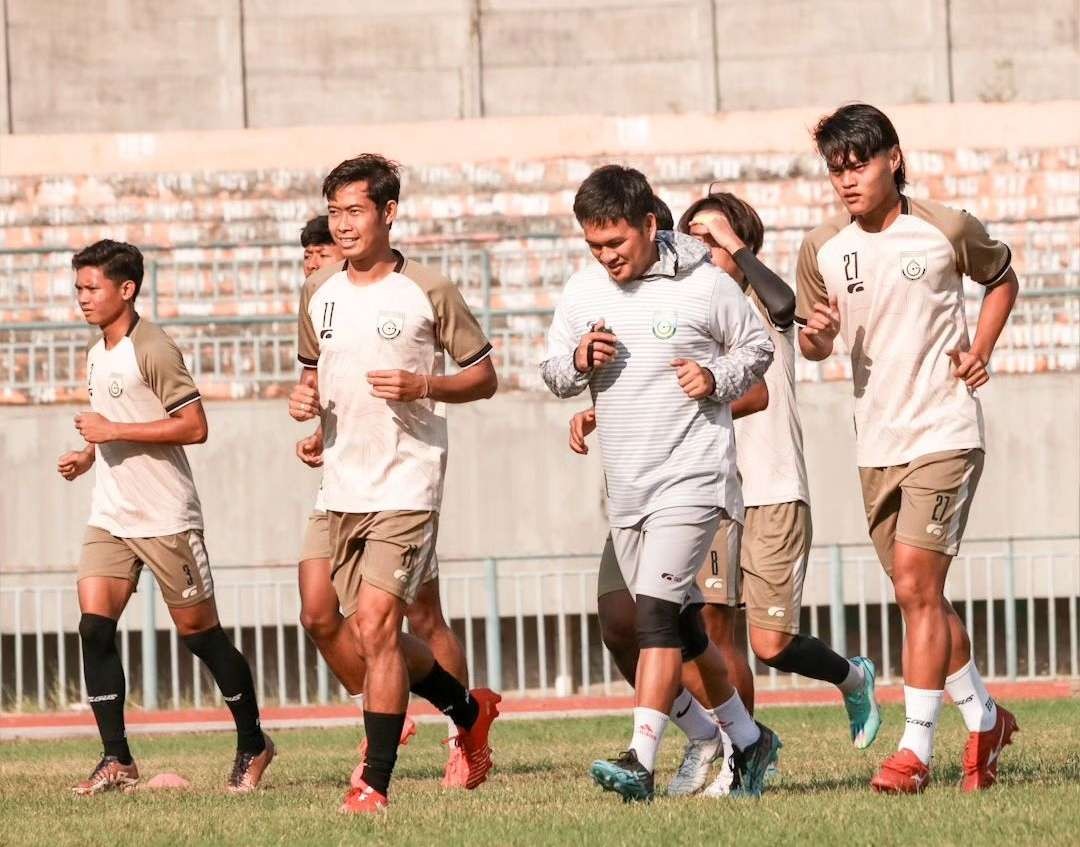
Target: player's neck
{"type": "Point", "coordinates": [115, 330]}
{"type": "Point", "coordinates": [882, 216]}
{"type": "Point", "coordinates": [364, 270]}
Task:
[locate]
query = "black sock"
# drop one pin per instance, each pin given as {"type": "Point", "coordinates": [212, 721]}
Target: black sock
{"type": "Point", "coordinates": [809, 657]}
{"type": "Point", "coordinates": [104, 675]}
{"type": "Point", "coordinates": [383, 734]}
{"type": "Point", "coordinates": [447, 695]}
{"type": "Point", "coordinates": [230, 671]}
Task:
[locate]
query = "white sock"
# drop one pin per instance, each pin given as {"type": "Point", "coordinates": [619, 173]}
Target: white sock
{"type": "Point", "coordinates": [696, 722]}
{"type": "Point", "coordinates": [921, 708]}
{"type": "Point", "coordinates": [967, 691]}
{"type": "Point", "coordinates": [358, 701]}
{"type": "Point", "coordinates": [649, 726]}
{"type": "Point", "coordinates": [736, 722]}
{"type": "Point", "coordinates": [454, 729]}
{"type": "Point", "coordinates": [854, 679]}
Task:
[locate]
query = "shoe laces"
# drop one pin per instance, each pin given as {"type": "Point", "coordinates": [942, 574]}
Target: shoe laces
{"type": "Point", "coordinates": [103, 765]}
{"type": "Point", "coordinates": [693, 757]}
{"type": "Point", "coordinates": [241, 763]}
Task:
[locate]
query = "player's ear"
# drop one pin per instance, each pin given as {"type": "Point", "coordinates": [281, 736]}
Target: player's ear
{"type": "Point", "coordinates": [896, 158]}
{"type": "Point", "coordinates": [390, 213]}
{"type": "Point", "coordinates": [650, 226]}
{"type": "Point", "coordinates": [127, 290]}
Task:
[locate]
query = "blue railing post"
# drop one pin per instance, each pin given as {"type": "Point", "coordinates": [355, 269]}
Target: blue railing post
{"type": "Point", "coordinates": [837, 623]}
{"type": "Point", "coordinates": [492, 634]}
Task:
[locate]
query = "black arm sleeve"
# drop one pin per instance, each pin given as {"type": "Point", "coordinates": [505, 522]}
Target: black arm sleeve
{"type": "Point", "coordinates": [774, 293]}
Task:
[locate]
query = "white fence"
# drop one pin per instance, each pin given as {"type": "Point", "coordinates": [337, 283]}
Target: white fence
{"type": "Point", "coordinates": [529, 625]}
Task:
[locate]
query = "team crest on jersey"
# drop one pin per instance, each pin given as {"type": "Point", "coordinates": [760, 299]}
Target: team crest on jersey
{"type": "Point", "coordinates": [664, 324]}
{"type": "Point", "coordinates": [390, 324]}
{"type": "Point", "coordinates": [913, 265]}
{"type": "Point", "coordinates": [116, 385]}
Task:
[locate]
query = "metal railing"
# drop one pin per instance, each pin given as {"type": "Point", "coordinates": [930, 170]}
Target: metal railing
{"type": "Point", "coordinates": [528, 625]}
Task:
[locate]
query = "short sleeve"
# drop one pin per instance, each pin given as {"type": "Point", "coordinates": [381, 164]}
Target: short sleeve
{"type": "Point", "coordinates": [307, 345]}
{"type": "Point", "coordinates": [162, 366]}
{"type": "Point", "coordinates": [984, 259]}
{"type": "Point", "coordinates": [809, 284]}
{"type": "Point", "coordinates": [456, 327]}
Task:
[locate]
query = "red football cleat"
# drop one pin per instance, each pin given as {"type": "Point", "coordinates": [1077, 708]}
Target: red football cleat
{"type": "Point", "coordinates": [902, 773]}
{"type": "Point", "coordinates": [983, 749]}
{"type": "Point", "coordinates": [363, 800]}
{"type": "Point", "coordinates": [470, 754]}
{"type": "Point", "coordinates": [357, 778]}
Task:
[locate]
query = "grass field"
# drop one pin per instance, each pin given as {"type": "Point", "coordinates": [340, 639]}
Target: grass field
{"type": "Point", "coordinates": [541, 794]}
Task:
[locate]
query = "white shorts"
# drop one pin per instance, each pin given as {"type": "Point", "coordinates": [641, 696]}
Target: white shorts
{"type": "Point", "coordinates": [661, 554]}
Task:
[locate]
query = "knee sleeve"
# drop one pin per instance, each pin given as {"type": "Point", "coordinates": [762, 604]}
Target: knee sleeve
{"type": "Point", "coordinates": [694, 638]}
{"type": "Point", "coordinates": [97, 633]}
{"type": "Point", "coordinates": [657, 622]}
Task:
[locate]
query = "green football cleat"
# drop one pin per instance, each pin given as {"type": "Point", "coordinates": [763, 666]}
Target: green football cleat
{"type": "Point", "coordinates": [753, 763]}
{"type": "Point", "coordinates": [862, 708]}
{"type": "Point", "coordinates": [626, 776]}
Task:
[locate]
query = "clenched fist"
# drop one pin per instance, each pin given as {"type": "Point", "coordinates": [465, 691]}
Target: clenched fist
{"type": "Point", "coordinates": [304, 402]}
{"type": "Point", "coordinates": [695, 381]}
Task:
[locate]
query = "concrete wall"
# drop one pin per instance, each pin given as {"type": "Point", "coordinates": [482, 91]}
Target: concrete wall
{"type": "Point", "coordinates": [165, 64]}
{"type": "Point", "coordinates": [513, 487]}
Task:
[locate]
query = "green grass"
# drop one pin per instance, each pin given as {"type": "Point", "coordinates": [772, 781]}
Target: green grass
{"type": "Point", "coordinates": [542, 795]}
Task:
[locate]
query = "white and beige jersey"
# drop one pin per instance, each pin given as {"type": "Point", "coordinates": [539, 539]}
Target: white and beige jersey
{"type": "Point", "coordinates": [379, 454]}
{"type": "Point", "coordinates": [141, 490]}
{"type": "Point", "coordinates": [901, 300]}
{"type": "Point", "coordinates": [769, 443]}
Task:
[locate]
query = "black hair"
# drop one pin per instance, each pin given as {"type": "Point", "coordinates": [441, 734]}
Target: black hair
{"type": "Point", "coordinates": [316, 232]}
{"type": "Point", "coordinates": [612, 193]}
{"type": "Point", "coordinates": [117, 260]}
{"type": "Point", "coordinates": [741, 215]}
{"type": "Point", "coordinates": [857, 131]}
{"type": "Point", "coordinates": [383, 178]}
{"type": "Point", "coordinates": [664, 218]}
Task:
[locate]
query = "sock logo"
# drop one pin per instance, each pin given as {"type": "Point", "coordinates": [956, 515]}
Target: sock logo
{"type": "Point", "coordinates": [684, 711]}
{"type": "Point", "coordinates": [647, 731]}
{"type": "Point", "coordinates": [924, 724]}
{"type": "Point", "coordinates": [989, 703]}
{"type": "Point", "coordinates": [102, 698]}
{"type": "Point", "coordinates": [967, 699]}
{"type": "Point", "coordinates": [232, 699]}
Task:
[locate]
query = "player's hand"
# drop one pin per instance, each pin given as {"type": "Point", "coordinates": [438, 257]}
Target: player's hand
{"type": "Point", "coordinates": [596, 348]}
{"type": "Point", "coordinates": [695, 380]}
{"type": "Point", "coordinates": [719, 228]}
{"type": "Point", "coordinates": [74, 464]}
{"type": "Point", "coordinates": [309, 450]}
{"type": "Point", "coordinates": [581, 425]}
{"type": "Point", "coordinates": [304, 402]}
{"type": "Point", "coordinates": [401, 386]}
{"type": "Point", "coordinates": [968, 366]}
{"type": "Point", "coordinates": [94, 428]}
{"type": "Point", "coordinates": [824, 324]}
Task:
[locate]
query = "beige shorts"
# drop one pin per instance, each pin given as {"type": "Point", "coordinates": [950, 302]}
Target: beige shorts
{"type": "Point", "coordinates": [775, 548]}
{"type": "Point", "coordinates": [179, 563]}
{"type": "Point", "coordinates": [924, 503]}
{"type": "Point", "coordinates": [392, 550]}
{"type": "Point", "coordinates": [316, 543]}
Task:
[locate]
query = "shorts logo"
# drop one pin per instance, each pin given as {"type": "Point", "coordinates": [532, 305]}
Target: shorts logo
{"type": "Point", "coordinates": [390, 324]}
{"type": "Point", "coordinates": [669, 577]}
{"type": "Point", "coordinates": [116, 385]}
{"type": "Point", "coordinates": [776, 611]}
{"type": "Point", "coordinates": [189, 592]}
{"type": "Point", "coordinates": [401, 576]}
{"type": "Point", "coordinates": [935, 529]}
{"type": "Point", "coordinates": [664, 324]}
{"type": "Point", "coordinates": [913, 265]}
{"type": "Point", "coordinates": [714, 582]}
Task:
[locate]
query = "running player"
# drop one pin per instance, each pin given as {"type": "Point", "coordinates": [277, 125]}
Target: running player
{"type": "Point", "coordinates": [373, 334]}
{"type": "Point", "coordinates": [144, 510]}
{"type": "Point", "coordinates": [635, 330]}
{"type": "Point", "coordinates": [888, 275]}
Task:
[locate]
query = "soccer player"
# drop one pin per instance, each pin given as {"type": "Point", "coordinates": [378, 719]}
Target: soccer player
{"type": "Point", "coordinates": [320, 613]}
{"type": "Point", "coordinates": [887, 275]}
{"type": "Point", "coordinates": [374, 334]}
{"type": "Point", "coordinates": [664, 342]}
{"type": "Point", "coordinates": [318, 244]}
{"type": "Point", "coordinates": [144, 510]}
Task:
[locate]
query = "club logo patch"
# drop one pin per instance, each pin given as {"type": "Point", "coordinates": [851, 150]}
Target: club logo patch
{"type": "Point", "coordinates": [390, 324]}
{"type": "Point", "coordinates": [116, 385]}
{"type": "Point", "coordinates": [913, 265]}
{"type": "Point", "coordinates": [664, 324]}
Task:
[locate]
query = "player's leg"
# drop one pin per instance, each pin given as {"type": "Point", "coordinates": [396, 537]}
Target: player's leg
{"type": "Point", "coordinates": [617, 614]}
{"type": "Point", "coordinates": [107, 574]}
{"type": "Point", "coordinates": [722, 623]}
{"type": "Point", "coordinates": [427, 623]}
{"type": "Point", "coordinates": [776, 548]}
{"type": "Point", "coordinates": [182, 568]}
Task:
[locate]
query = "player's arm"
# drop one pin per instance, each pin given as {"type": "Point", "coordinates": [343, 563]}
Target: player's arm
{"type": "Point", "coordinates": [186, 425]}
{"type": "Point", "coordinates": [570, 360]}
{"type": "Point", "coordinates": [304, 397]}
{"type": "Point", "coordinates": [988, 262]}
{"type": "Point", "coordinates": [75, 463]}
{"type": "Point", "coordinates": [748, 350]}
{"type": "Point", "coordinates": [309, 450]}
{"type": "Point", "coordinates": [581, 426]}
{"type": "Point", "coordinates": [756, 399]}
{"type": "Point", "coordinates": [815, 311]}
{"type": "Point", "coordinates": [477, 381]}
